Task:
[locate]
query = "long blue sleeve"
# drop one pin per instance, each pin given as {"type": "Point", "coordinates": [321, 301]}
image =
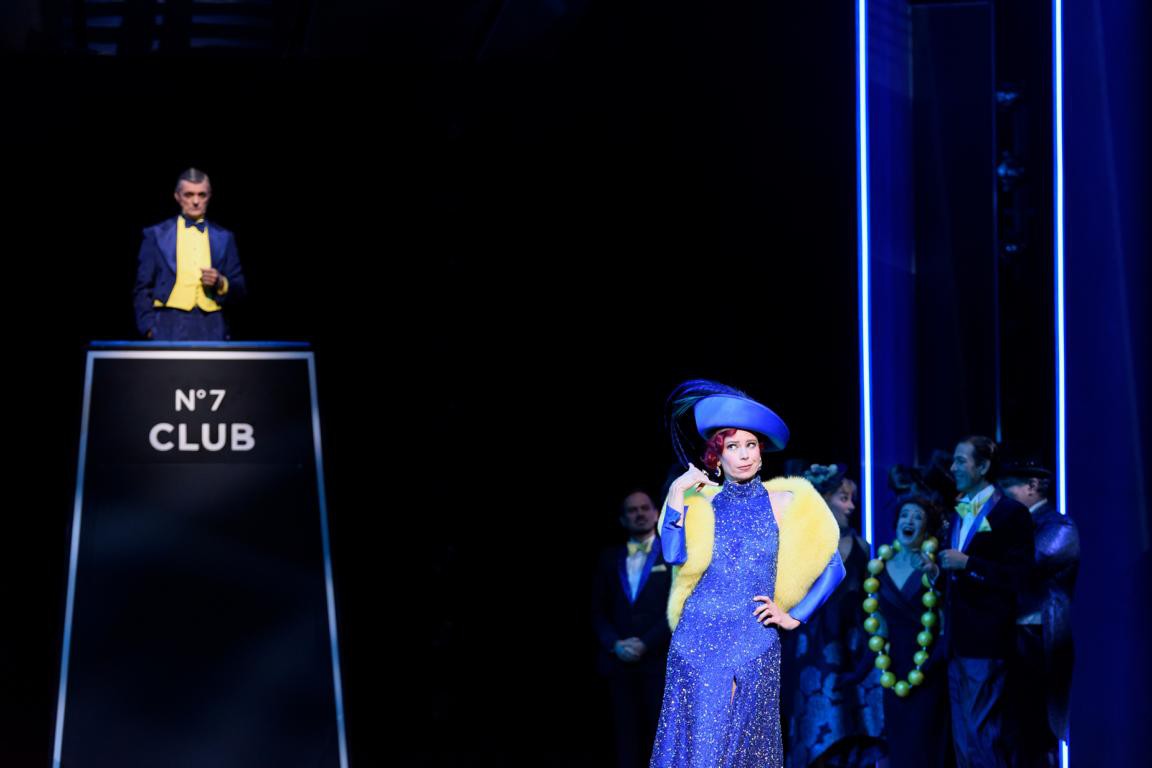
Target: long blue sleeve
{"type": "Point", "coordinates": [672, 541]}
{"type": "Point", "coordinates": [824, 586]}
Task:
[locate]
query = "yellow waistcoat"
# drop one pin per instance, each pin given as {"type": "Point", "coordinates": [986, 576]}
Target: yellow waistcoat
{"type": "Point", "coordinates": [192, 253]}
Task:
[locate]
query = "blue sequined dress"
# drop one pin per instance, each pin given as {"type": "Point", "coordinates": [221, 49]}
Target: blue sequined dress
{"type": "Point", "coordinates": [718, 641]}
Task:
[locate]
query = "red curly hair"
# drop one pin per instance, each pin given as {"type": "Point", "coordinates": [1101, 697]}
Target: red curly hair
{"type": "Point", "coordinates": [714, 448]}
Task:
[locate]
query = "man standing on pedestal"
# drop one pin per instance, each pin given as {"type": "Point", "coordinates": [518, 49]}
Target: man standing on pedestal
{"type": "Point", "coordinates": [187, 270]}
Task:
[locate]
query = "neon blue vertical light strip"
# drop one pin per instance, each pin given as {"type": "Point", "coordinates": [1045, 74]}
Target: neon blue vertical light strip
{"type": "Point", "coordinates": [1058, 217]}
{"type": "Point", "coordinates": [1058, 125]}
{"type": "Point", "coordinates": [865, 267]}
{"type": "Point", "coordinates": [73, 555]}
{"type": "Point", "coordinates": [337, 680]}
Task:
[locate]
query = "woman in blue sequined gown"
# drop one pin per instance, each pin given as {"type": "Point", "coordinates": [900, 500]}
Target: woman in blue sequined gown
{"type": "Point", "coordinates": [721, 705]}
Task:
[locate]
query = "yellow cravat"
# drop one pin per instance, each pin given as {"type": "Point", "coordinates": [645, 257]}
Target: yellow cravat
{"type": "Point", "coordinates": [969, 509]}
{"type": "Point", "coordinates": [637, 546]}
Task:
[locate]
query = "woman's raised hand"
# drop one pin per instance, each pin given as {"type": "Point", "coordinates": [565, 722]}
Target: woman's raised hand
{"type": "Point", "coordinates": [923, 564]}
{"type": "Point", "coordinates": [692, 479]}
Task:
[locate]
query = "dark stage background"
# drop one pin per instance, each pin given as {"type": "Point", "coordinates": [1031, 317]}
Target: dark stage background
{"type": "Point", "coordinates": [509, 228]}
{"type": "Point", "coordinates": [505, 255]}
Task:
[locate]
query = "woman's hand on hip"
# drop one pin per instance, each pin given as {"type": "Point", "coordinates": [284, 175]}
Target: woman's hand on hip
{"type": "Point", "coordinates": [769, 613]}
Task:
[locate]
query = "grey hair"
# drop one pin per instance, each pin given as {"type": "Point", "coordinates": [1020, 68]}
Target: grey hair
{"type": "Point", "coordinates": [193, 176]}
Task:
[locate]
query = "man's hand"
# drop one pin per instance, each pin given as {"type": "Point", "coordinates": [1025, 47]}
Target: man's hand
{"type": "Point", "coordinates": [953, 560]}
{"type": "Point", "coordinates": [630, 649]}
{"type": "Point", "coordinates": [210, 277]}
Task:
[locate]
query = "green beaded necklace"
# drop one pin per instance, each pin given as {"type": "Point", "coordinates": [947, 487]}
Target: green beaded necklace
{"type": "Point", "coordinates": [872, 624]}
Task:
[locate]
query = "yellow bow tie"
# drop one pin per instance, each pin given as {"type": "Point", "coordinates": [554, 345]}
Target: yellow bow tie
{"type": "Point", "coordinates": [636, 546]}
{"type": "Point", "coordinates": [965, 509]}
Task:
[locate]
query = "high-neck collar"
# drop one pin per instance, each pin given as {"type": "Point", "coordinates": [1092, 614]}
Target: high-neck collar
{"type": "Point", "coordinates": [751, 487]}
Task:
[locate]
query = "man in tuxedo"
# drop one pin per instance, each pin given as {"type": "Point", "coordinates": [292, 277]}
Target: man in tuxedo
{"type": "Point", "coordinates": [629, 614]}
{"type": "Point", "coordinates": [187, 270]}
{"type": "Point", "coordinates": [987, 564]}
{"type": "Point", "coordinates": [1044, 626]}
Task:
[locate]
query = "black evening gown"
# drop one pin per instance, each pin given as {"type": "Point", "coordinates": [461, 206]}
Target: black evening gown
{"type": "Point", "coordinates": [918, 726]}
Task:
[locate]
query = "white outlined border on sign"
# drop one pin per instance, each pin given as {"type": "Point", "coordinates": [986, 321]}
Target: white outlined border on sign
{"type": "Point", "coordinates": [74, 549]}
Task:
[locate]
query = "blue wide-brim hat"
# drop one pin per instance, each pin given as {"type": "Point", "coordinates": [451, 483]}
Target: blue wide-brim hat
{"type": "Point", "coordinates": [717, 406]}
{"type": "Point", "coordinates": [728, 411]}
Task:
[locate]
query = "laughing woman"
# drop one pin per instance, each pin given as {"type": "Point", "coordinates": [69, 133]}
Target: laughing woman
{"type": "Point", "coordinates": [752, 558]}
{"type": "Point", "coordinates": [915, 708]}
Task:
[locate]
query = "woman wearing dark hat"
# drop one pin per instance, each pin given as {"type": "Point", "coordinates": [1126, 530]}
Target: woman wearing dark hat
{"type": "Point", "coordinates": [752, 558]}
{"type": "Point", "coordinates": [837, 714]}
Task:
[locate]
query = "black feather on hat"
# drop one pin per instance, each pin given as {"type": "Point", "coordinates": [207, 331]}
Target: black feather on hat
{"type": "Point", "coordinates": [721, 406]}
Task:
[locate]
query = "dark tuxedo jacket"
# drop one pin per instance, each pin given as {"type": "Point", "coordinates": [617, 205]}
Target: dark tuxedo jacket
{"type": "Point", "coordinates": [156, 268]}
{"type": "Point", "coordinates": [982, 599]}
{"type": "Point", "coordinates": [616, 616]}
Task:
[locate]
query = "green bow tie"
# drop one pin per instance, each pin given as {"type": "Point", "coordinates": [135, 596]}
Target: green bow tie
{"type": "Point", "coordinates": [635, 546]}
{"type": "Point", "coordinates": [965, 509]}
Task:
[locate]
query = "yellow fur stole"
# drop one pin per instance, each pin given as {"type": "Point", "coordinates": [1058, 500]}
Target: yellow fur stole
{"type": "Point", "coordinates": [808, 537]}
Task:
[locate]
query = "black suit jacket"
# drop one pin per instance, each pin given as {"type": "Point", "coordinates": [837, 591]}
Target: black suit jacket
{"type": "Point", "coordinates": [982, 598]}
{"type": "Point", "coordinates": [615, 616]}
